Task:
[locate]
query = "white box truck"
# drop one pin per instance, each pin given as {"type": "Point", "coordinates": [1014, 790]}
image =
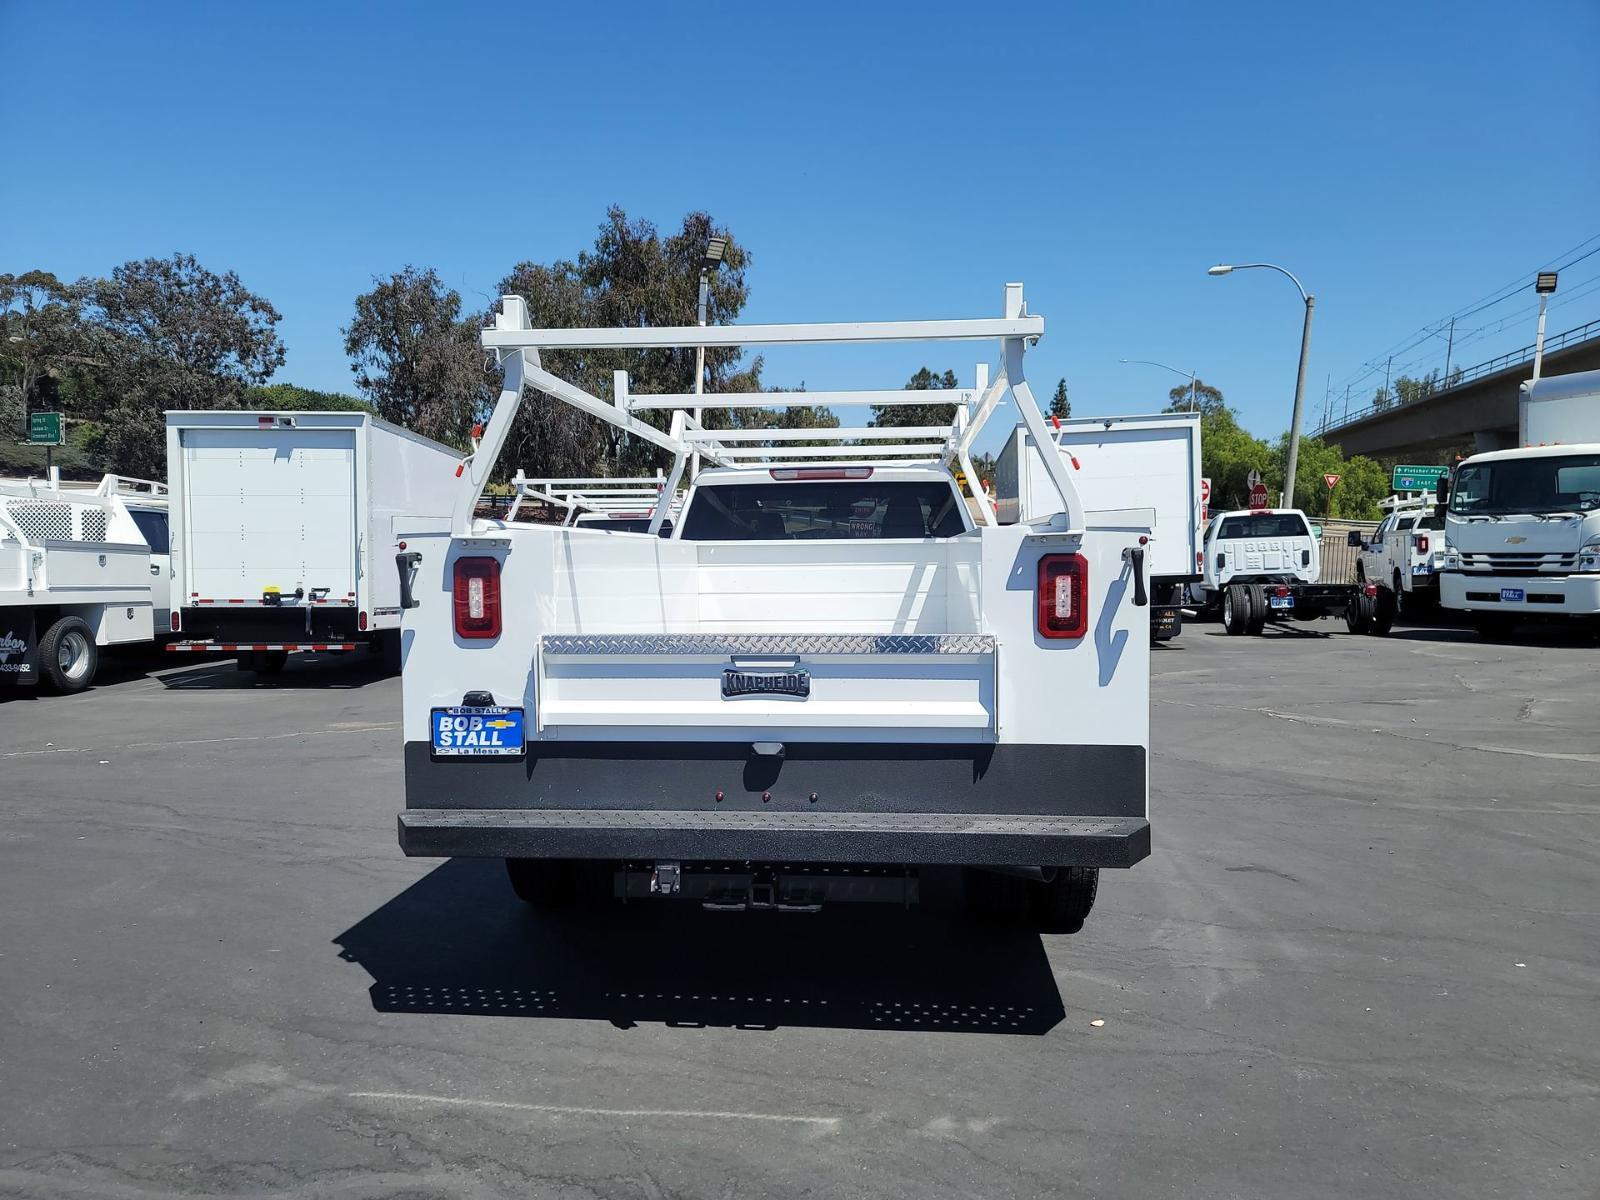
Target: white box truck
{"type": "Point", "coordinates": [283, 529]}
{"type": "Point", "coordinates": [1523, 526]}
{"type": "Point", "coordinates": [1117, 461]}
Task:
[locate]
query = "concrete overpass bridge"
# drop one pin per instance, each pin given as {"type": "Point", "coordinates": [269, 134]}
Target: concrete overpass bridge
{"type": "Point", "coordinates": [1478, 409]}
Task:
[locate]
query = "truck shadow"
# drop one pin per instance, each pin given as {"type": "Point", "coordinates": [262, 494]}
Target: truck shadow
{"type": "Point", "coordinates": [459, 942]}
{"type": "Point", "coordinates": [315, 672]}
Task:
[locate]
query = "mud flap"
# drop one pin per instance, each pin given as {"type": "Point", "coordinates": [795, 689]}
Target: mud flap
{"type": "Point", "coordinates": [19, 649]}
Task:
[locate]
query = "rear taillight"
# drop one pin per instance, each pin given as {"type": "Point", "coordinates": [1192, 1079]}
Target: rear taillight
{"type": "Point", "coordinates": [1283, 591]}
{"type": "Point", "coordinates": [1063, 596]}
{"type": "Point", "coordinates": [361, 621]}
{"type": "Point", "coordinates": [175, 621]}
{"type": "Point", "coordinates": [1422, 544]}
{"type": "Point", "coordinates": [477, 597]}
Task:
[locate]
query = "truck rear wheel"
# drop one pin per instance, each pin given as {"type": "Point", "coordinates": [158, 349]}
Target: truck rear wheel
{"type": "Point", "coordinates": [1062, 904]}
{"type": "Point", "coordinates": [1235, 609]}
{"type": "Point", "coordinates": [1258, 608]}
{"type": "Point", "coordinates": [1383, 612]}
{"type": "Point", "coordinates": [68, 654]}
{"type": "Point", "coordinates": [1358, 612]}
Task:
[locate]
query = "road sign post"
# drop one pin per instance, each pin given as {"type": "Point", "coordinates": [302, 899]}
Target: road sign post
{"type": "Point", "coordinates": [45, 429]}
{"type": "Point", "coordinates": [1417, 479]}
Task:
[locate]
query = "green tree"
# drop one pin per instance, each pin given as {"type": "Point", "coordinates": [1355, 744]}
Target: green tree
{"type": "Point", "coordinates": [289, 397]}
{"type": "Point", "coordinates": [633, 276]}
{"type": "Point", "coordinates": [1228, 453]}
{"type": "Point", "coordinates": [1362, 482]}
{"type": "Point", "coordinates": [43, 344]}
{"type": "Point", "coordinates": [1060, 406]}
{"type": "Point", "coordinates": [919, 414]}
{"type": "Point", "coordinates": [163, 334]}
{"type": "Point", "coordinates": [1208, 399]}
{"type": "Point", "coordinates": [416, 358]}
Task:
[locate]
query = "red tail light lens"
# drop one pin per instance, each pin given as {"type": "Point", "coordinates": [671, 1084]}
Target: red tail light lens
{"type": "Point", "coordinates": [477, 597]}
{"type": "Point", "coordinates": [361, 621]}
{"type": "Point", "coordinates": [175, 621]}
{"type": "Point", "coordinates": [1063, 596]}
{"type": "Point", "coordinates": [1422, 544]}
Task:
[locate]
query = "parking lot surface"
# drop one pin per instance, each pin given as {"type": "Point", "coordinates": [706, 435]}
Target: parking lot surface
{"type": "Point", "coordinates": [1362, 961]}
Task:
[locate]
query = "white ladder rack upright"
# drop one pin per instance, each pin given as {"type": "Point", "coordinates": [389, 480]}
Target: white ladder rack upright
{"type": "Point", "coordinates": [517, 346]}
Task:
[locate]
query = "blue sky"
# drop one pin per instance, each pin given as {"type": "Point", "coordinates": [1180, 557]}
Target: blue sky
{"type": "Point", "coordinates": [1403, 159]}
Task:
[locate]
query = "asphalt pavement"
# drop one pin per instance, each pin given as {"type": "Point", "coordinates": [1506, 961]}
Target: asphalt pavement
{"type": "Point", "coordinates": [1362, 961]}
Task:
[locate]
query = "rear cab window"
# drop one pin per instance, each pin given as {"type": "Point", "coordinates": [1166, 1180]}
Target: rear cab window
{"type": "Point", "coordinates": [848, 510]}
{"type": "Point", "coordinates": [1263, 525]}
{"type": "Point", "coordinates": [152, 527]}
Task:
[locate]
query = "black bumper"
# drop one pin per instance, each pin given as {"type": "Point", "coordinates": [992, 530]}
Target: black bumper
{"type": "Point", "coordinates": [976, 805]}
{"type": "Point", "coordinates": [811, 837]}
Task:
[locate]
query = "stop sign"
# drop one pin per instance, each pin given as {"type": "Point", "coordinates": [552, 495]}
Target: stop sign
{"type": "Point", "coordinates": [1258, 496]}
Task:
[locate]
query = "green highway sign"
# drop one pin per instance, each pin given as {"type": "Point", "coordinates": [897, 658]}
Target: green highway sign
{"type": "Point", "coordinates": [44, 429]}
{"type": "Point", "coordinates": [1418, 479]}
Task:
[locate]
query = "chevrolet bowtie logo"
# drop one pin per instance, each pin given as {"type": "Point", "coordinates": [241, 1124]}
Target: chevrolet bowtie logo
{"type": "Point", "coordinates": [1515, 541]}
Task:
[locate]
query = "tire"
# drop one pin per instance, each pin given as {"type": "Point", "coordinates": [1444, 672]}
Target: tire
{"type": "Point", "coordinates": [1401, 604]}
{"type": "Point", "coordinates": [1383, 613]}
{"type": "Point", "coordinates": [1358, 613]}
{"type": "Point", "coordinates": [68, 655]}
{"type": "Point", "coordinates": [1063, 904]}
{"type": "Point", "coordinates": [1235, 609]}
{"type": "Point", "coordinates": [269, 662]}
{"type": "Point", "coordinates": [992, 896]}
{"type": "Point", "coordinates": [1258, 609]}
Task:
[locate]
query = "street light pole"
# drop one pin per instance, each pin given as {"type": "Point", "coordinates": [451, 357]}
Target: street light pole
{"type": "Point", "coordinates": [715, 249]}
{"type": "Point", "coordinates": [1194, 394]}
{"type": "Point", "coordinates": [1300, 376]}
{"type": "Point", "coordinates": [1544, 285]}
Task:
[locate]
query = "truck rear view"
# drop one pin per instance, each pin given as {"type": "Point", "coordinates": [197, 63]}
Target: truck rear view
{"type": "Point", "coordinates": [277, 520]}
{"type": "Point", "coordinates": [824, 682]}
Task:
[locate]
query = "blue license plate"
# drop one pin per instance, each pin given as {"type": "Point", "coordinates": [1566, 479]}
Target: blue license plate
{"type": "Point", "coordinates": [1513, 594]}
{"type": "Point", "coordinates": [1281, 601]}
{"type": "Point", "coordinates": [1422, 569]}
{"type": "Point", "coordinates": [489, 732]}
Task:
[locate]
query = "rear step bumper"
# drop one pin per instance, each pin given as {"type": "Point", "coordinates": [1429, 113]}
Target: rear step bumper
{"type": "Point", "coordinates": [795, 837]}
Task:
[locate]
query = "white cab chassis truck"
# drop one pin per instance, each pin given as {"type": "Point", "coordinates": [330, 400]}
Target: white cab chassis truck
{"type": "Point", "coordinates": [1154, 457]}
{"type": "Point", "coordinates": [1523, 525]}
{"type": "Point", "coordinates": [76, 574]}
{"type": "Point", "coordinates": [1265, 565]}
{"type": "Point", "coordinates": [825, 680]}
{"type": "Point", "coordinates": [282, 529]}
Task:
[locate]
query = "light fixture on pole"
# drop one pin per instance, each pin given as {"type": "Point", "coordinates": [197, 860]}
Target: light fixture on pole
{"type": "Point", "coordinates": [1544, 283]}
{"type": "Point", "coordinates": [1300, 377]}
{"type": "Point", "coordinates": [1194, 382]}
{"type": "Point", "coordinates": [715, 249]}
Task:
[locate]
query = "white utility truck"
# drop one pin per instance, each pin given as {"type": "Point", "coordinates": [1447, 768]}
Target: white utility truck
{"type": "Point", "coordinates": [1156, 458]}
{"type": "Point", "coordinates": [282, 529]}
{"type": "Point", "coordinates": [1264, 565]}
{"type": "Point", "coordinates": [825, 680]}
{"type": "Point", "coordinates": [76, 574]}
{"type": "Point", "coordinates": [1405, 553]}
{"type": "Point", "coordinates": [1524, 525]}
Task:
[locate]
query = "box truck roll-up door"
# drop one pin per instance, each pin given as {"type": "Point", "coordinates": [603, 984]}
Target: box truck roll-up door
{"type": "Point", "coordinates": [269, 509]}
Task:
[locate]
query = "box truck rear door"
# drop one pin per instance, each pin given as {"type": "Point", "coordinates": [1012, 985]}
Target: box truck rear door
{"type": "Point", "coordinates": [269, 509]}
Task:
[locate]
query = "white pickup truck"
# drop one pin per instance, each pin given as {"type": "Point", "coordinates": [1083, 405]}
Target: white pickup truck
{"type": "Point", "coordinates": [825, 680]}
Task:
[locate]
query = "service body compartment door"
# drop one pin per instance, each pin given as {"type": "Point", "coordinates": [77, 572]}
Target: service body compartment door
{"type": "Point", "coordinates": [269, 509]}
